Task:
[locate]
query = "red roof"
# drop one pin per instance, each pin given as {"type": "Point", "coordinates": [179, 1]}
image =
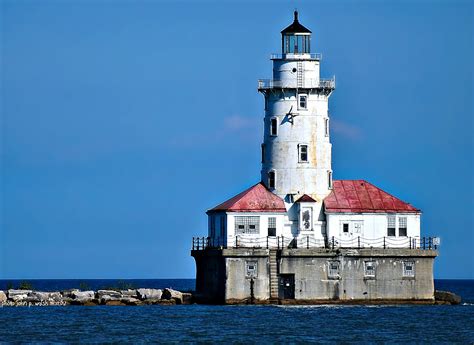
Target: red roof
{"type": "Point", "coordinates": [359, 196]}
{"type": "Point", "coordinates": [305, 198]}
{"type": "Point", "coordinates": [255, 199]}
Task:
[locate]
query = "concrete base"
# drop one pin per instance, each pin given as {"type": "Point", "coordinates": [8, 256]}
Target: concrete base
{"type": "Point", "coordinates": [242, 276]}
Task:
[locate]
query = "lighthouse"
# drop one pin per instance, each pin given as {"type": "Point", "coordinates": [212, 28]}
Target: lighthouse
{"type": "Point", "coordinates": [297, 234]}
{"type": "Point", "coordinates": [296, 148]}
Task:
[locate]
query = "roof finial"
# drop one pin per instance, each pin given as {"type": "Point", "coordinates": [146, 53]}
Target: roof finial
{"type": "Point", "coordinates": [296, 15]}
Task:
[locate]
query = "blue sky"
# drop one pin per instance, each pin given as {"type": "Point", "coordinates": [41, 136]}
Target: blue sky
{"type": "Point", "coordinates": [122, 122]}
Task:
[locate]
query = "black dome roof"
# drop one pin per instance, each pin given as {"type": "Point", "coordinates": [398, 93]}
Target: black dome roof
{"type": "Point", "coordinates": [295, 27]}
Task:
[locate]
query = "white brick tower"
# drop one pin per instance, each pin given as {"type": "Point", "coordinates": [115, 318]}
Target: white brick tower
{"type": "Point", "coordinates": [296, 150]}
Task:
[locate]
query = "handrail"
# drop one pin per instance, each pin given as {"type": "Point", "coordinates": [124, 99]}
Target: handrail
{"type": "Point", "coordinates": [290, 56]}
{"type": "Point", "coordinates": [305, 84]}
{"type": "Point", "coordinates": [281, 242]}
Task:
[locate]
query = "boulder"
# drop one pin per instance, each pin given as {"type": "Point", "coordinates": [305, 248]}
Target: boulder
{"type": "Point", "coordinates": [18, 295]}
{"type": "Point", "coordinates": [173, 294]}
{"type": "Point", "coordinates": [447, 297]}
{"type": "Point", "coordinates": [147, 294]}
{"type": "Point", "coordinates": [131, 301]}
{"type": "Point", "coordinates": [3, 297]}
{"type": "Point", "coordinates": [83, 296]}
{"type": "Point", "coordinates": [69, 293]}
{"type": "Point", "coordinates": [187, 298]}
{"type": "Point", "coordinates": [111, 293]}
{"type": "Point", "coordinates": [106, 299]}
{"type": "Point", "coordinates": [37, 296]}
{"type": "Point", "coordinates": [55, 296]}
{"type": "Point", "coordinates": [129, 293]}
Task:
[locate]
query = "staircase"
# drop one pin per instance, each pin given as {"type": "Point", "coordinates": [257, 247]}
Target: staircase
{"type": "Point", "coordinates": [273, 275]}
{"type": "Point", "coordinates": [299, 74]}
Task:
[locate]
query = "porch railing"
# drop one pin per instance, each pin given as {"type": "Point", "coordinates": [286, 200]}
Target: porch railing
{"type": "Point", "coordinates": [329, 84]}
{"type": "Point", "coordinates": [281, 242]}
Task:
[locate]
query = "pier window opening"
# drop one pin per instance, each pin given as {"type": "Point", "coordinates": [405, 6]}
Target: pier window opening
{"type": "Point", "coordinates": [333, 269]}
{"type": "Point", "coordinates": [402, 226]}
{"type": "Point", "coordinates": [303, 154]}
{"type": "Point", "coordinates": [408, 268]}
{"type": "Point", "coordinates": [391, 226]}
{"type": "Point", "coordinates": [271, 226]}
{"type": "Point", "coordinates": [329, 179]}
{"type": "Point", "coordinates": [326, 127]}
{"type": "Point", "coordinates": [251, 269]}
{"type": "Point", "coordinates": [271, 179]}
{"type": "Point", "coordinates": [274, 127]}
{"type": "Point", "coordinates": [369, 268]}
{"type": "Point", "coordinates": [263, 153]}
{"type": "Point", "coordinates": [302, 101]}
{"type": "Point", "coordinates": [247, 225]}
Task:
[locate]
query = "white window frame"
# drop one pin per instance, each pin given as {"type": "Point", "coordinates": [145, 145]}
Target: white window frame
{"type": "Point", "coordinates": [251, 269]}
{"type": "Point", "coordinates": [271, 127]}
{"type": "Point", "coordinates": [408, 273]}
{"type": "Point", "coordinates": [243, 225]}
{"type": "Point", "coordinates": [300, 151]}
{"type": "Point", "coordinates": [392, 220]}
{"type": "Point", "coordinates": [403, 219]}
{"type": "Point", "coordinates": [326, 127]}
{"type": "Point", "coordinates": [305, 107]}
{"type": "Point", "coordinates": [272, 224]}
{"type": "Point", "coordinates": [367, 272]}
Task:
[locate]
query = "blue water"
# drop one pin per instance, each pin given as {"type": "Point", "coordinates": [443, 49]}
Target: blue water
{"type": "Point", "coordinates": [246, 324]}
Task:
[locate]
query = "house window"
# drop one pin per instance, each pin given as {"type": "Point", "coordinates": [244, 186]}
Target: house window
{"type": "Point", "coordinates": [329, 179]}
{"type": "Point", "coordinates": [251, 269]}
{"type": "Point", "coordinates": [326, 127]}
{"type": "Point", "coordinates": [247, 225]}
{"type": "Point", "coordinates": [271, 179]}
{"type": "Point", "coordinates": [274, 126]}
{"type": "Point", "coordinates": [333, 269]}
{"type": "Point", "coordinates": [303, 154]}
{"type": "Point", "coordinates": [391, 226]}
{"type": "Point", "coordinates": [369, 268]}
{"type": "Point", "coordinates": [408, 268]}
{"type": "Point", "coordinates": [345, 228]}
{"type": "Point", "coordinates": [272, 226]}
{"type": "Point", "coordinates": [263, 153]}
{"type": "Point", "coordinates": [358, 227]}
{"type": "Point", "coordinates": [302, 101]}
{"type": "Point", "coordinates": [402, 226]}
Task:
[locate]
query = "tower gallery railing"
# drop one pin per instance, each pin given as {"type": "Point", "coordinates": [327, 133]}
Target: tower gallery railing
{"type": "Point", "coordinates": [282, 242]}
{"type": "Point", "coordinates": [289, 56]}
{"type": "Point", "coordinates": [304, 84]}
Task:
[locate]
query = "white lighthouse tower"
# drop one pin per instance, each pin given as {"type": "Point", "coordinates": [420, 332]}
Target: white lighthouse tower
{"type": "Point", "coordinates": [296, 149]}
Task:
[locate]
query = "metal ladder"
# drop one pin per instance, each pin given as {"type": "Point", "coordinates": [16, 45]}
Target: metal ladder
{"type": "Point", "coordinates": [273, 274]}
{"type": "Point", "coordinates": [299, 74]}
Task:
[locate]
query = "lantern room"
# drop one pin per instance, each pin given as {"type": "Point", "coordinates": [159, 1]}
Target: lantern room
{"type": "Point", "coordinates": [295, 38]}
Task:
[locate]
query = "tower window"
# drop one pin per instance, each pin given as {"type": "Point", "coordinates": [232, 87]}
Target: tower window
{"type": "Point", "coordinates": [263, 153]}
{"type": "Point", "coordinates": [326, 127]}
{"type": "Point", "coordinates": [271, 179]}
{"type": "Point", "coordinates": [391, 226]}
{"type": "Point", "coordinates": [302, 101]}
{"type": "Point", "coordinates": [329, 179]}
{"type": "Point", "coordinates": [303, 153]}
{"type": "Point", "coordinates": [402, 226]}
{"type": "Point", "coordinates": [274, 126]}
{"type": "Point", "coordinates": [271, 226]}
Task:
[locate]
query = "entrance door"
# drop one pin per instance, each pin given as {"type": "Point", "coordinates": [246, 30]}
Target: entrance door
{"type": "Point", "coordinates": [287, 286]}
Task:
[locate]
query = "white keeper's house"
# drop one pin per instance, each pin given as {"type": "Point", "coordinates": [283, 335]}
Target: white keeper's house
{"type": "Point", "coordinates": [298, 234]}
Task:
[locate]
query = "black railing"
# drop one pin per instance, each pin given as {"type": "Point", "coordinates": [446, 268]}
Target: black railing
{"type": "Point", "coordinates": [281, 242]}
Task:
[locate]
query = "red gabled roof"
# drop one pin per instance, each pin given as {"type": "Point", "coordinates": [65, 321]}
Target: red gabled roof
{"type": "Point", "coordinates": [255, 199]}
{"type": "Point", "coordinates": [359, 196]}
{"type": "Point", "coordinates": [305, 198]}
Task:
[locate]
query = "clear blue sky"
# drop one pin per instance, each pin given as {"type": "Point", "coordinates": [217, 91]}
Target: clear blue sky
{"type": "Point", "coordinates": [123, 121]}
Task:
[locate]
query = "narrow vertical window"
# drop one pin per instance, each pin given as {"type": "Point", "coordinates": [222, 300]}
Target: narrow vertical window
{"type": "Point", "coordinates": [212, 220]}
{"type": "Point", "coordinates": [390, 225]}
{"type": "Point", "coordinates": [329, 179]}
{"type": "Point", "coordinates": [402, 226]}
{"type": "Point", "coordinates": [326, 127]}
{"type": "Point", "coordinates": [302, 101]}
{"type": "Point", "coordinates": [303, 153]}
{"type": "Point", "coordinates": [271, 179]}
{"type": "Point", "coordinates": [273, 127]}
{"type": "Point", "coordinates": [223, 219]}
{"type": "Point", "coordinates": [345, 228]}
{"type": "Point", "coordinates": [271, 226]}
{"type": "Point", "coordinates": [263, 153]}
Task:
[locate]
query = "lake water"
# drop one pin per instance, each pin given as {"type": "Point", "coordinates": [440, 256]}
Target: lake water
{"type": "Point", "coordinates": [254, 324]}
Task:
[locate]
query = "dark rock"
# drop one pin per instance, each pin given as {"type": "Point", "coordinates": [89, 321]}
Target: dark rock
{"type": "Point", "coordinates": [446, 297]}
{"type": "Point", "coordinates": [187, 298]}
{"type": "Point", "coordinates": [173, 294]}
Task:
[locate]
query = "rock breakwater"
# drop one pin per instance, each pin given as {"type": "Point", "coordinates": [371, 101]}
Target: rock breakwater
{"type": "Point", "coordinates": [132, 297]}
